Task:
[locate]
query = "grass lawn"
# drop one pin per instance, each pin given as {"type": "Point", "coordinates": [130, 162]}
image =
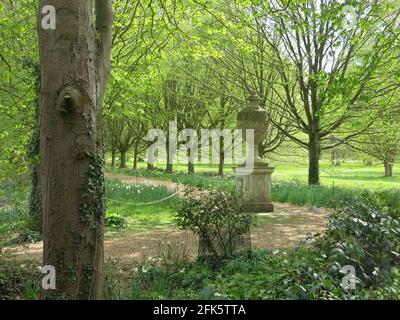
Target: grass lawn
{"type": "Point", "coordinates": [348, 175]}
{"type": "Point", "coordinates": [139, 206]}
{"type": "Point", "coordinates": [352, 175]}
{"type": "Point", "coordinates": [289, 181]}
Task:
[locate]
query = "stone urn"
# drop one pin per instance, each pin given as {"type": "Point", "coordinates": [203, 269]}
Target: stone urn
{"type": "Point", "coordinates": [254, 118]}
{"type": "Point", "coordinates": [253, 178]}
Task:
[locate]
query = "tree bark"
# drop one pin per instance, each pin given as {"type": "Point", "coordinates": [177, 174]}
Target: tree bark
{"type": "Point", "coordinates": [150, 166]}
{"type": "Point", "coordinates": [388, 168]}
{"type": "Point", "coordinates": [190, 163]}
{"type": "Point", "coordinates": [75, 63]}
{"type": "Point", "coordinates": [169, 167]}
{"type": "Point", "coordinates": [123, 160]}
{"type": "Point", "coordinates": [135, 156]}
{"type": "Point", "coordinates": [314, 151]}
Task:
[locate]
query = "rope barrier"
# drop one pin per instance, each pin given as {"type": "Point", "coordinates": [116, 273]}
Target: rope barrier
{"type": "Point", "coordinates": [147, 203]}
{"type": "Point", "coordinates": [144, 203]}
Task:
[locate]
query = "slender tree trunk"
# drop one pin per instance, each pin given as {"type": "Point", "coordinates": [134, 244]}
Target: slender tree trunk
{"type": "Point", "coordinates": [123, 160]}
{"type": "Point", "coordinates": [170, 102]}
{"type": "Point", "coordinates": [169, 167]}
{"type": "Point", "coordinates": [337, 153]}
{"type": "Point", "coordinates": [221, 156]}
{"type": "Point", "coordinates": [190, 164]}
{"type": "Point", "coordinates": [314, 150]}
{"type": "Point", "coordinates": [150, 166]}
{"type": "Point", "coordinates": [113, 156]}
{"type": "Point", "coordinates": [75, 63]}
{"type": "Point", "coordinates": [190, 168]}
{"type": "Point", "coordinates": [135, 157]}
{"type": "Point", "coordinates": [388, 168]}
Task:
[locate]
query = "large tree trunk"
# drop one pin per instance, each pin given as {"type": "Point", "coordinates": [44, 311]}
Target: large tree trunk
{"type": "Point", "coordinates": [123, 160]}
{"type": "Point", "coordinates": [75, 63]}
{"type": "Point", "coordinates": [314, 151]}
{"type": "Point", "coordinates": [388, 168]}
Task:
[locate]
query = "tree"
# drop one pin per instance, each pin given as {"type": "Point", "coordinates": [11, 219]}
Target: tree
{"type": "Point", "coordinates": [325, 66]}
{"type": "Point", "coordinates": [75, 63]}
{"type": "Point", "coordinates": [231, 47]}
{"type": "Point", "coordinates": [382, 140]}
{"type": "Point", "coordinates": [18, 104]}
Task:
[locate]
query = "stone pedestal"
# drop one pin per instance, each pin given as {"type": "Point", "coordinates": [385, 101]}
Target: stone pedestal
{"type": "Point", "coordinates": [254, 188]}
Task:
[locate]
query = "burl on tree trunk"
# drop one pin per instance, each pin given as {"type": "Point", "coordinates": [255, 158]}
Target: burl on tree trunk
{"type": "Point", "coordinates": [75, 63]}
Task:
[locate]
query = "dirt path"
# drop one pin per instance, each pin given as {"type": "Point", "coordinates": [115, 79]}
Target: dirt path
{"type": "Point", "coordinates": [284, 228]}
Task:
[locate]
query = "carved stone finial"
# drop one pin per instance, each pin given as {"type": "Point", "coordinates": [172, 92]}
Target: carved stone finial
{"type": "Point", "coordinates": [254, 101]}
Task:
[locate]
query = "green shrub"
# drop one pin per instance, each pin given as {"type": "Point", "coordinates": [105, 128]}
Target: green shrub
{"type": "Point", "coordinates": [217, 218]}
{"type": "Point", "coordinates": [364, 233]}
{"type": "Point", "coordinates": [19, 280]}
{"type": "Point", "coordinates": [29, 236]}
{"type": "Point", "coordinates": [115, 222]}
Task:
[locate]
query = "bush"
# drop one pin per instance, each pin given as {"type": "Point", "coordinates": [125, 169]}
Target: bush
{"type": "Point", "coordinates": [364, 233]}
{"type": "Point", "coordinates": [217, 218]}
{"type": "Point", "coordinates": [19, 280]}
{"type": "Point", "coordinates": [28, 236]}
{"type": "Point", "coordinates": [115, 222]}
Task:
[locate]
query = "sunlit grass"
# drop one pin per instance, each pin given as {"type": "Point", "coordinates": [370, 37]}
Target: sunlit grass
{"type": "Point", "coordinates": [139, 205]}
{"type": "Point", "coordinates": [351, 175]}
